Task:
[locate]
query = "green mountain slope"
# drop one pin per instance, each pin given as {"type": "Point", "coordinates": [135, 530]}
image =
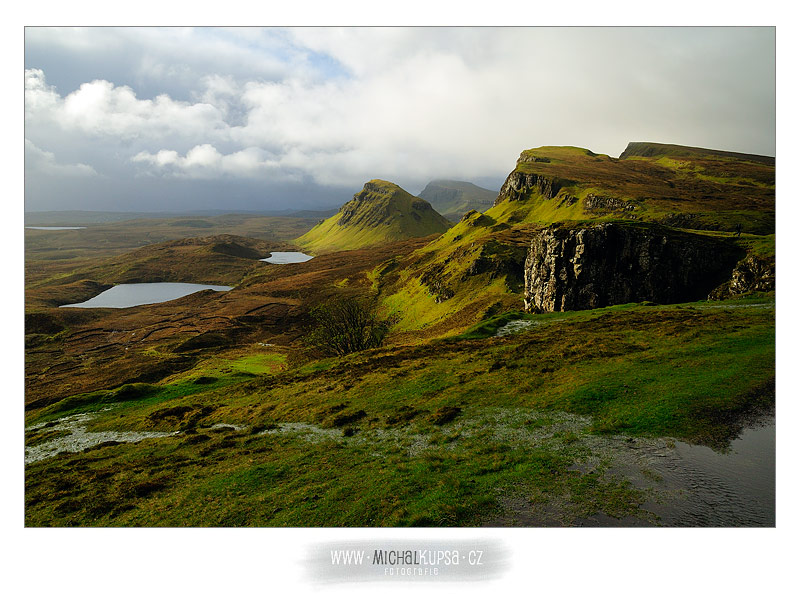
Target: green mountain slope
{"type": "Point", "coordinates": [455, 198]}
{"type": "Point", "coordinates": [475, 268]}
{"type": "Point", "coordinates": [379, 213]}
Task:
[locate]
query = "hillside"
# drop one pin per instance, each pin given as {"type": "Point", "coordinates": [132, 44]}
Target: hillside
{"type": "Point", "coordinates": [381, 212]}
{"type": "Point", "coordinates": [455, 198]}
{"type": "Point", "coordinates": [476, 267]}
{"type": "Point", "coordinates": [677, 186]}
{"type": "Point", "coordinates": [215, 409]}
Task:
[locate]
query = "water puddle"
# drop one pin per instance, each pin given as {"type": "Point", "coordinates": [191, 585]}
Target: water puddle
{"type": "Point", "coordinates": [131, 295]}
{"type": "Point", "coordinates": [735, 306]}
{"type": "Point", "coordinates": [78, 438]}
{"type": "Point", "coordinates": [733, 488]}
{"type": "Point", "coordinates": [692, 485]}
{"type": "Point", "coordinates": [287, 258]}
{"type": "Point", "coordinates": [515, 326]}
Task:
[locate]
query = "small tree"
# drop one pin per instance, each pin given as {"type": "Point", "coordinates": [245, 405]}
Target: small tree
{"type": "Point", "coordinates": [346, 325]}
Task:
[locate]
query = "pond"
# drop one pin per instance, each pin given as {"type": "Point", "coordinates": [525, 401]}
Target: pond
{"type": "Point", "coordinates": [287, 258]}
{"type": "Point", "coordinates": [131, 295]}
{"type": "Point", "coordinates": [55, 228]}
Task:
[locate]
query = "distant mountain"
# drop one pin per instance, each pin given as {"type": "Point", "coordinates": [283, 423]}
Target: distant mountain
{"type": "Point", "coordinates": [379, 213]}
{"type": "Point", "coordinates": [454, 198]}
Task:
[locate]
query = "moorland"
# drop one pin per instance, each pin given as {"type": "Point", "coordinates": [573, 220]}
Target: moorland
{"type": "Point", "coordinates": [215, 409]}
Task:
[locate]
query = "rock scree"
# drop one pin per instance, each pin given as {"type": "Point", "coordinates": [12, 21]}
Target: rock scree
{"type": "Point", "coordinates": [612, 263]}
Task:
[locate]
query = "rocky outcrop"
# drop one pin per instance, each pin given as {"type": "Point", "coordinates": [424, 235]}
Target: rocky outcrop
{"type": "Point", "coordinates": [518, 185]}
{"type": "Point", "coordinates": [754, 274]}
{"type": "Point", "coordinates": [609, 264]}
{"type": "Point", "coordinates": [605, 204]}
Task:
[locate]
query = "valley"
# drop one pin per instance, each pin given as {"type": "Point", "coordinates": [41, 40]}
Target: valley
{"type": "Point", "coordinates": [552, 358]}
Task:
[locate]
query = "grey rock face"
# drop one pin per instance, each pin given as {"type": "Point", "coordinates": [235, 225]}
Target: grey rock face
{"type": "Point", "coordinates": [594, 203]}
{"type": "Point", "coordinates": [610, 264]}
{"type": "Point", "coordinates": [518, 184]}
{"type": "Point", "coordinates": [753, 274]}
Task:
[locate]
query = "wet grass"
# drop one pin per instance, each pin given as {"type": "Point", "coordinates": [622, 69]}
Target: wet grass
{"type": "Point", "coordinates": [433, 434]}
{"type": "Point", "coordinates": [449, 476]}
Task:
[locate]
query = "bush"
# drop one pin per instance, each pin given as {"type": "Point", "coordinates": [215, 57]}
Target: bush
{"type": "Point", "coordinates": [347, 325]}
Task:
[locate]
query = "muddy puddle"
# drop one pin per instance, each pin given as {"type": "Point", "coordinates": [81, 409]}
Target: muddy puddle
{"type": "Point", "coordinates": [692, 485]}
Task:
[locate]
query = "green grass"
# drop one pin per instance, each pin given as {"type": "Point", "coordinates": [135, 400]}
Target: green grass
{"type": "Point", "coordinates": [444, 478]}
{"type": "Point", "coordinates": [687, 371]}
{"type": "Point", "coordinates": [382, 212]}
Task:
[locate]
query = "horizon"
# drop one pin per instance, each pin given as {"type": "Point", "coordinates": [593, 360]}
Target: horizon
{"type": "Point", "coordinates": [268, 119]}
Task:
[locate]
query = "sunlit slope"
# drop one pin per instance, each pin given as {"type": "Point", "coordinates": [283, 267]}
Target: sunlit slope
{"type": "Point", "coordinates": [380, 213]}
{"type": "Point", "coordinates": [476, 266]}
{"type": "Point", "coordinates": [669, 184]}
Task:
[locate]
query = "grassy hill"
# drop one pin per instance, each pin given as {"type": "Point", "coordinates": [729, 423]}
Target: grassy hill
{"type": "Point", "coordinates": [381, 212]}
{"type": "Point", "coordinates": [455, 198]}
{"type": "Point", "coordinates": [474, 269]}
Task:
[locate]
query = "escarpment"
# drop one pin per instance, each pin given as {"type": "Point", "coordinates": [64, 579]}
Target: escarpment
{"type": "Point", "coordinates": [610, 263]}
{"type": "Point", "coordinates": [519, 184]}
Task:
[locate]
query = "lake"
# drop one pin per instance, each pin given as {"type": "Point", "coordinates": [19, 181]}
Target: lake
{"type": "Point", "coordinates": [131, 295]}
{"type": "Point", "coordinates": [287, 258]}
{"type": "Point", "coordinates": [54, 228]}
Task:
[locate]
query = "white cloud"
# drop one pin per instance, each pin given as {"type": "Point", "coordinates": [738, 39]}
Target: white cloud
{"type": "Point", "coordinates": [99, 108]}
{"type": "Point", "coordinates": [41, 162]}
{"type": "Point", "coordinates": [206, 162]}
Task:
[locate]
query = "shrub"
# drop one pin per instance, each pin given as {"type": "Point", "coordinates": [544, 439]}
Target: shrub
{"type": "Point", "coordinates": [347, 325]}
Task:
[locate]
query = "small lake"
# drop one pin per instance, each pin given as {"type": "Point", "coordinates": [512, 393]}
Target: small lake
{"type": "Point", "coordinates": [131, 295]}
{"type": "Point", "coordinates": [287, 258]}
{"type": "Point", "coordinates": [55, 228]}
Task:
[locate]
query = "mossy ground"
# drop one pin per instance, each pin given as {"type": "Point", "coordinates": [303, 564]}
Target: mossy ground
{"type": "Point", "coordinates": [310, 456]}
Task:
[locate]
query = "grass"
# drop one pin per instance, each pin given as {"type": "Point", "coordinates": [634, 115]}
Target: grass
{"type": "Point", "coordinates": [381, 212]}
{"type": "Point", "coordinates": [411, 459]}
{"type": "Point", "coordinates": [404, 479]}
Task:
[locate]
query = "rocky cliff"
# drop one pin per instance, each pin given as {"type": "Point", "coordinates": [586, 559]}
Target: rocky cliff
{"type": "Point", "coordinates": [518, 184]}
{"type": "Point", "coordinates": [754, 274]}
{"type": "Point", "coordinates": [610, 263]}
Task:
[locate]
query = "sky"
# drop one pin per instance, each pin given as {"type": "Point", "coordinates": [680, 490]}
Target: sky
{"type": "Point", "coordinates": [181, 119]}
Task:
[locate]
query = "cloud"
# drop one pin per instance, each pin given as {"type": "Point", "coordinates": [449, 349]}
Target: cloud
{"type": "Point", "coordinates": [339, 106]}
{"type": "Point", "coordinates": [40, 162]}
{"type": "Point", "coordinates": [100, 108]}
{"type": "Point", "coordinates": [206, 162]}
